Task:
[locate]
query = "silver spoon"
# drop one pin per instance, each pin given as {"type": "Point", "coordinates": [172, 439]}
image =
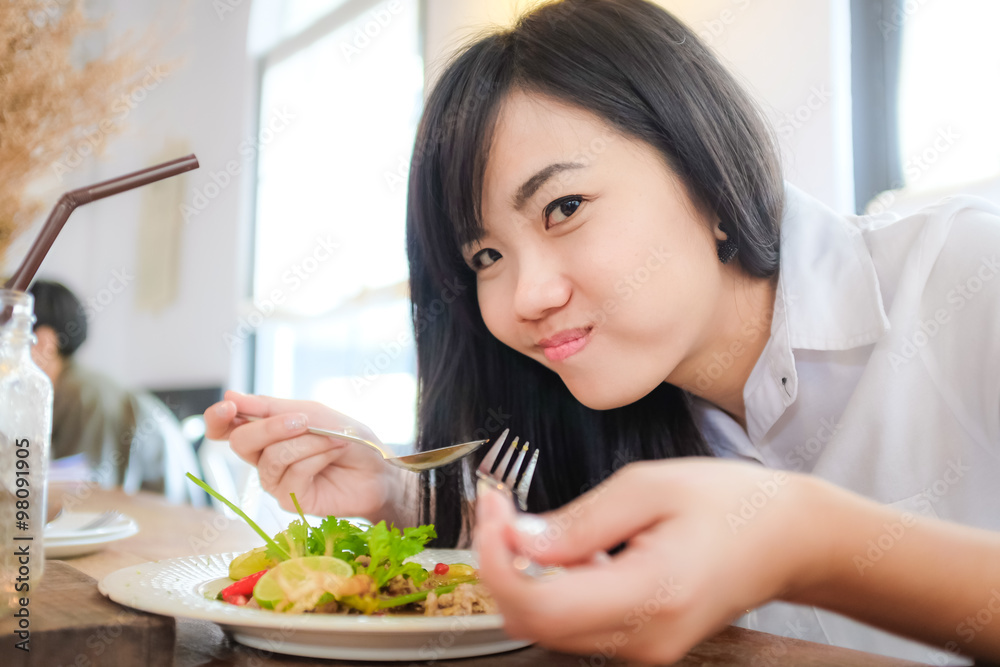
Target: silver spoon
{"type": "Point", "coordinates": [434, 458]}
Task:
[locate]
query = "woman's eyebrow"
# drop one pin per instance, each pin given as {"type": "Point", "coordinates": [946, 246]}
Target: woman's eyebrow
{"type": "Point", "coordinates": [532, 185]}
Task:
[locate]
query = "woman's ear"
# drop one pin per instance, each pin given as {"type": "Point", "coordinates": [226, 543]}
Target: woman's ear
{"type": "Point", "coordinates": [719, 234]}
{"type": "Point", "coordinates": [725, 243]}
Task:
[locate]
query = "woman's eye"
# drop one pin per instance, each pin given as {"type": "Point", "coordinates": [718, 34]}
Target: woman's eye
{"type": "Point", "coordinates": [561, 209]}
{"type": "Point", "coordinates": [484, 258]}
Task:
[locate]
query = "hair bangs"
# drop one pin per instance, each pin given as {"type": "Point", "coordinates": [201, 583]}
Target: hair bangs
{"type": "Point", "coordinates": [453, 145]}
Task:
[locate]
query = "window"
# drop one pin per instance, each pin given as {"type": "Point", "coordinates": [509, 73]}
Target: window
{"type": "Point", "coordinates": [339, 103]}
{"type": "Point", "coordinates": [949, 93]}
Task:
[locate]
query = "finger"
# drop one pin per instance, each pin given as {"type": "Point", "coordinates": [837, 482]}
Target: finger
{"type": "Point", "coordinates": [563, 604]}
{"type": "Point", "coordinates": [261, 406]}
{"type": "Point", "coordinates": [296, 477]}
{"type": "Point", "coordinates": [301, 474]}
{"type": "Point", "coordinates": [276, 458]}
{"type": "Point", "coordinates": [219, 420]}
{"type": "Point", "coordinates": [250, 439]}
{"type": "Point", "coordinates": [602, 518]}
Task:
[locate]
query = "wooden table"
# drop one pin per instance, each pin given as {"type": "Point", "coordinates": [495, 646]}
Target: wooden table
{"type": "Point", "coordinates": [171, 531]}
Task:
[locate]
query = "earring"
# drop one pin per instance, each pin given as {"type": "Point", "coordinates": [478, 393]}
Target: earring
{"type": "Point", "coordinates": [726, 249]}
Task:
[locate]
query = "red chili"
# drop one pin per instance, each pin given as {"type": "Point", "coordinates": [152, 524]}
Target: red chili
{"type": "Point", "coordinates": [441, 568]}
{"type": "Point", "coordinates": [243, 587]}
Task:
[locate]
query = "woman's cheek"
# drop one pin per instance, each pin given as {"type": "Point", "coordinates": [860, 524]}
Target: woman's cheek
{"type": "Point", "coordinates": [492, 310]}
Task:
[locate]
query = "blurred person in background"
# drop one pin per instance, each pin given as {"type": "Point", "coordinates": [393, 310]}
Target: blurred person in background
{"type": "Point", "coordinates": [120, 430]}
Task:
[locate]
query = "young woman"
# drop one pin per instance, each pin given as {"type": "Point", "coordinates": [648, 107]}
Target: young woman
{"type": "Point", "coordinates": [607, 205]}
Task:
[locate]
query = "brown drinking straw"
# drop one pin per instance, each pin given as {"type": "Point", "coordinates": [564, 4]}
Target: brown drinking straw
{"type": "Point", "coordinates": [69, 201]}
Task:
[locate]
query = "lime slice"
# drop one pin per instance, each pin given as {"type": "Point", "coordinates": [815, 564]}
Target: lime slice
{"type": "Point", "coordinates": [295, 579]}
{"type": "Point", "coordinates": [249, 563]}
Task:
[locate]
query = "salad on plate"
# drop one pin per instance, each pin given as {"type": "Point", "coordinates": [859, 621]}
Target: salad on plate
{"type": "Point", "coordinates": [337, 567]}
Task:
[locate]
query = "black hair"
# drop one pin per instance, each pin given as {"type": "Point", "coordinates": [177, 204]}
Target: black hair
{"type": "Point", "coordinates": [57, 307]}
{"type": "Point", "coordinates": [645, 74]}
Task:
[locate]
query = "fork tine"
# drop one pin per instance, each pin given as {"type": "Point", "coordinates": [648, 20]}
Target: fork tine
{"type": "Point", "coordinates": [505, 461]}
{"type": "Point", "coordinates": [486, 467]}
{"type": "Point", "coordinates": [522, 488]}
{"type": "Point", "coordinates": [516, 468]}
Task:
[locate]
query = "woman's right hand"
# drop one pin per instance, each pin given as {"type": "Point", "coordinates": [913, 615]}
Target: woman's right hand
{"type": "Point", "coordinates": [327, 476]}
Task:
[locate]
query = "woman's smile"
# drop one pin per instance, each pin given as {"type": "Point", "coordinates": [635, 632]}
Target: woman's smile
{"type": "Point", "coordinates": [566, 343]}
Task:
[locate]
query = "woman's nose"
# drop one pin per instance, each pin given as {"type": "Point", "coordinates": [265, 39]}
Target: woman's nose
{"type": "Point", "coordinates": [540, 288]}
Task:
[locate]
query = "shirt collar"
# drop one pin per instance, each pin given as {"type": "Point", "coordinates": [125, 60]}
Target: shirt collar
{"type": "Point", "coordinates": [829, 289]}
{"type": "Point", "coordinates": [828, 298]}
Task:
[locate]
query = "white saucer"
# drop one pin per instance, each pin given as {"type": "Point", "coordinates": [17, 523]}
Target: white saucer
{"type": "Point", "coordinates": [65, 538]}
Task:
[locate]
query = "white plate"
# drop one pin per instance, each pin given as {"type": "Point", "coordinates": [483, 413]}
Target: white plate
{"type": "Point", "coordinates": [186, 587]}
{"type": "Point", "coordinates": [65, 538]}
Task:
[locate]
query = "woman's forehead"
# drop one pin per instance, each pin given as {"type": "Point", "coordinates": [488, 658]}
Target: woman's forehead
{"type": "Point", "coordinates": [536, 139]}
{"type": "Point", "coordinates": [536, 123]}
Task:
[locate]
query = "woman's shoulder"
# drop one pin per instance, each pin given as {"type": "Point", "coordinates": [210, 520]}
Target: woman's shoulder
{"type": "Point", "coordinates": [936, 227]}
{"type": "Point", "coordinates": [936, 250]}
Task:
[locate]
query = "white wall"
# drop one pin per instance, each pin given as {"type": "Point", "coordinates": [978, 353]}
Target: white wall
{"type": "Point", "coordinates": [204, 103]}
{"type": "Point", "coordinates": [789, 53]}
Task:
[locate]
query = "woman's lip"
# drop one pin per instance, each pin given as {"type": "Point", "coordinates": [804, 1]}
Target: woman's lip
{"type": "Point", "coordinates": [564, 336]}
{"type": "Point", "coordinates": [565, 344]}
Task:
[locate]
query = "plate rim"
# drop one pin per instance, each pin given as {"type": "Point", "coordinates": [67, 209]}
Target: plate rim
{"type": "Point", "coordinates": [123, 523]}
{"type": "Point", "coordinates": [233, 616]}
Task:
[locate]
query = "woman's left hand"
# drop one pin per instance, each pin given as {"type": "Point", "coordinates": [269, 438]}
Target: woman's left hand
{"type": "Point", "coordinates": [706, 541]}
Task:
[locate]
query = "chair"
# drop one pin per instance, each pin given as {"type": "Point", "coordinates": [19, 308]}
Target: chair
{"type": "Point", "coordinates": [159, 447]}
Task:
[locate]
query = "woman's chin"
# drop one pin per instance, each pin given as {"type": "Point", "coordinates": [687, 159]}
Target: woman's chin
{"type": "Point", "coordinates": [604, 397]}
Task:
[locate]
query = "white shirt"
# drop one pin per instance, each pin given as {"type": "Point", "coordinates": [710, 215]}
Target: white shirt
{"type": "Point", "coordinates": [882, 375]}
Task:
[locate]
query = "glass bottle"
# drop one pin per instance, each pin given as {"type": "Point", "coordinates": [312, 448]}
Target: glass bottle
{"type": "Point", "coordinates": [25, 433]}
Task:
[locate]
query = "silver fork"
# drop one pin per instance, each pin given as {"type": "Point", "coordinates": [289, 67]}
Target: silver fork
{"type": "Point", "coordinates": [506, 483]}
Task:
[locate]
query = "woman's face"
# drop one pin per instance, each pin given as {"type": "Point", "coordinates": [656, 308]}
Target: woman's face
{"type": "Point", "coordinates": [595, 261]}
